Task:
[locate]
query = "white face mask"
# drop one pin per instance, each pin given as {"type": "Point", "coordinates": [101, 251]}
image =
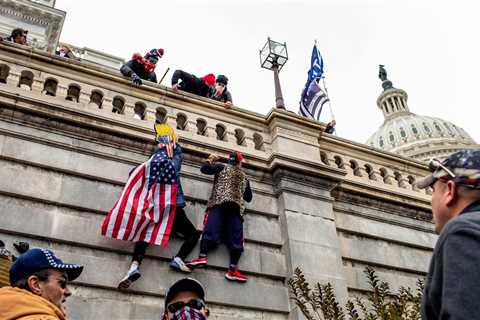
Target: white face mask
{"type": "Point", "coordinates": [219, 88]}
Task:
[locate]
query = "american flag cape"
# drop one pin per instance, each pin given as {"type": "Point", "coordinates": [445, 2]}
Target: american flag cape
{"type": "Point", "coordinates": [146, 208]}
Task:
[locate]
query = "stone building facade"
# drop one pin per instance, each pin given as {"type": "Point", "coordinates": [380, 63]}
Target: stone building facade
{"type": "Point", "coordinates": [326, 204]}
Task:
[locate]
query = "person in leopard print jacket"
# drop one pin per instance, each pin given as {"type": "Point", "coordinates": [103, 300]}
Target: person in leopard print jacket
{"type": "Point", "coordinates": [224, 215]}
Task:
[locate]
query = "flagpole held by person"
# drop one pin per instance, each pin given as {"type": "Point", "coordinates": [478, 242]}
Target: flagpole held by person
{"type": "Point", "coordinates": [313, 97]}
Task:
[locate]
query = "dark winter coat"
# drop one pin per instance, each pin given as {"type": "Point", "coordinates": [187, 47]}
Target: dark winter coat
{"type": "Point", "coordinates": [191, 83]}
{"type": "Point", "coordinates": [452, 288]}
{"type": "Point", "coordinates": [137, 68]}
{"type": "Point", "coordinates": [224, 97]}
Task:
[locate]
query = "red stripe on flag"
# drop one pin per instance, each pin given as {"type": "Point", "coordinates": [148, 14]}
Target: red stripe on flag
{"type": "Point", "coordinates": [133, 211]}
{"type": "Point", "coordinates": [151, 215]}
{"type": "Point", "coordinates": [161, 204]}
{"type": "Point", "coordinates": [106, 220]}
{"type": "Point", "coordinates": [171, 215]}
{"type": "Point", "coordinates": [123, 201]}
{"type": "Point", "coordinates": [146, 206]}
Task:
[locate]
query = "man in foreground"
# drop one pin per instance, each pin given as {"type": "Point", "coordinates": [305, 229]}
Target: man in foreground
{"type": "Point", "coordinates": [38, 286]}
{"type": "Point", "coordinates": [453, 286]}
{"type": "Point", "coordinates": [185, 299]}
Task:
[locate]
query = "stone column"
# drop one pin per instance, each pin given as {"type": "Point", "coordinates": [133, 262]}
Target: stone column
{"type": "Point", "coordinates": [309, 231]}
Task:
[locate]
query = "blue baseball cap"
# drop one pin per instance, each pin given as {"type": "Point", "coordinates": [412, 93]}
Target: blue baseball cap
{"type": "Point", "coordinates": [37, 259]}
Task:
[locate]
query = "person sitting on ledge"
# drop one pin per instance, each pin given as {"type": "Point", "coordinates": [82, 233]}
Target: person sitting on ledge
{"type": "Point", "coordinates": [142, 68]}
{"type": "Point", "coordinates": [38, 289]}
{"type": "Point", "coordinates": [192, 84]}
{"type": "Point", "coordinates": [221, 93]}
{"type": "Point", "coordinates": [330, 128]}
{"type": "Point", "coordinates": [18, 36]}
{"type": "Point", "coordinates": [224, 215]}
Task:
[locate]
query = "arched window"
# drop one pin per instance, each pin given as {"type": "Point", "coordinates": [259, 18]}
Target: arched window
{"type": "Point", "coordinates": [258, 141]}
{"type": "Point", "coordinates": [403, 134]}
{"type": "Point", "coordinates": [391, 137]}
{"type": "Point", "coordinates": [437, 127]}
{"type": "Point", "coordinates": [449, 129]}
{"type": "Point", "coordinates": [50, 87]}
{"type": "Point", "coordinates": [73, 93]}
{"type": "Point", "coordinates": [427, 128]}
{"type": "Point", "coordinates": [160, 115]}
{"type": "Point", "coordinates": [26, 80]}
{"type": "Point", "coordinates": [221, 132]}
{"type": "Point", "coordinates": [240, 137]}
{"type": "Point", "coordinates": [181, 121]}
{"type": "Point", "coordinates": [380, 142]}
{"type": "Point", "coordinates": [355, 168]}
{"type": "Point", "coordinates": [139, 110]}
{"type": "Point", "coordinates": [118, 104]}
{"type": "Point", "coordinates": [324, 157]}
{"type": "Point", "coordinates": [370, 172]}
{"type": "Point", "coordinates": [96, 97]}
{"type": "Point", "coordinates": [414, 129]}
{"type": "Point", "coordinates": [4, 72]}
{"type": "Point", "coordinates": [201, 127]}
{"type": "Point", "coordinates": [339, 162]}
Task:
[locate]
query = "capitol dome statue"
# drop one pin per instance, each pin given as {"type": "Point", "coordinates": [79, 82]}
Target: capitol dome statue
{"type": "Point", "coordinates": [412, 135]}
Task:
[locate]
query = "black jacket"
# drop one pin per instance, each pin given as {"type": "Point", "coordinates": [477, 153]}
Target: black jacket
{"type": "Point", "coordinates": [224, 97]}
{"type": "Point", "coordinates": [191, 83]}
{"type": "Point", "coordinates": [137, 68]}
{"type": "Point", "coordinates": [452, 289]}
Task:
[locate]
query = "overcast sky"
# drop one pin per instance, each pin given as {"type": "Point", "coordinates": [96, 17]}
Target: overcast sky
{"type": "Point", "coordinates": [430, 49]}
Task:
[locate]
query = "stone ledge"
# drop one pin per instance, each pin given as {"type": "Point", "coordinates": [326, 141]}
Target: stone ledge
{"type": "Point", "coordinates": [382, 230]}
{"type": "Point", "coordinates": [385, 254]}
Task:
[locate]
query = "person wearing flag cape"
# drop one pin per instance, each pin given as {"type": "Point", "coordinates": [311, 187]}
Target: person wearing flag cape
{"type": "Point", "coordinates": [151, 206]}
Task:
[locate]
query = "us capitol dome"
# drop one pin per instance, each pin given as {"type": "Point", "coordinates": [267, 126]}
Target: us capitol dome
{"type": "Point", "coordinates": [412, 135]}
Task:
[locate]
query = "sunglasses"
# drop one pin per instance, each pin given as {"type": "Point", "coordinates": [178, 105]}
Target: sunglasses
{"type": "Point", "coordinates": [435, 164]}
{"type": "Point", "coordinates": [197, 304]}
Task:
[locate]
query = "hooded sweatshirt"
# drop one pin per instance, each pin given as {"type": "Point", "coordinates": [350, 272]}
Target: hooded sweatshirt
{"type": "Point", "coordinates": [20, 304]}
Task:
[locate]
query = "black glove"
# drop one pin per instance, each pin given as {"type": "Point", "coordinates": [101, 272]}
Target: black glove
{"type": "Point", "coordinates": [136, 80]}
{"type": "Point", "coordinates": [21, 246]}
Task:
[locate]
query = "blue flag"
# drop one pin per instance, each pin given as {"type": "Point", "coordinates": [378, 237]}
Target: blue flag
{"type": "Point", "coordinates": [313, 98]}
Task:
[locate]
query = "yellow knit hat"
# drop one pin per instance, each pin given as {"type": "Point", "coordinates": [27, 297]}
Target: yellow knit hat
{"type": "Point", "coordinates": [162, 130]}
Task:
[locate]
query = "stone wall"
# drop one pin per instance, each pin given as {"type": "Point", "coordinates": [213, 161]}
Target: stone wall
{"type": "Point", "coordinates": [328, 205]}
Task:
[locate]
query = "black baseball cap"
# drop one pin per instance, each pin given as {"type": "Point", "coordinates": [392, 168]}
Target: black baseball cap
{"type": "Point", "coordinates": [37, 259]}
{"type": "Point", "coordinates": [185, 284]}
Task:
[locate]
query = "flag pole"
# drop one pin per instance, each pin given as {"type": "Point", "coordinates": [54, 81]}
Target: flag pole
{"type": "Point", "coordinates": [324, 85]}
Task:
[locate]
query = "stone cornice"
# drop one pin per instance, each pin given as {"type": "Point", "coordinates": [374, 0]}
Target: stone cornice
{"type": "Point", "coordinates": [289, 142]}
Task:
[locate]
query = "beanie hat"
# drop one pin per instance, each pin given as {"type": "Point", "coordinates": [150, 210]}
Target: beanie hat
{"type": "Point", "coordinates": [222, 79]}
{"type": "Point", "coordinates": [156, 53]}
{"type": "Point", "coordinates": [209, 79]}
{"type": "Point", "coordinates": [235, 157]}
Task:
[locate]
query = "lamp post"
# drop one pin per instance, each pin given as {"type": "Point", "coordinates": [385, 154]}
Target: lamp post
{"type": "Point", "coordinates": [273, 56]}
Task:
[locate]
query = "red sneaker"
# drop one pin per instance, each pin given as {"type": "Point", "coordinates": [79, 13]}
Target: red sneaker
{"type": "Point", "coordinates": [198, 262]}
{"type": "Point", "coordinates": [235, 275]}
